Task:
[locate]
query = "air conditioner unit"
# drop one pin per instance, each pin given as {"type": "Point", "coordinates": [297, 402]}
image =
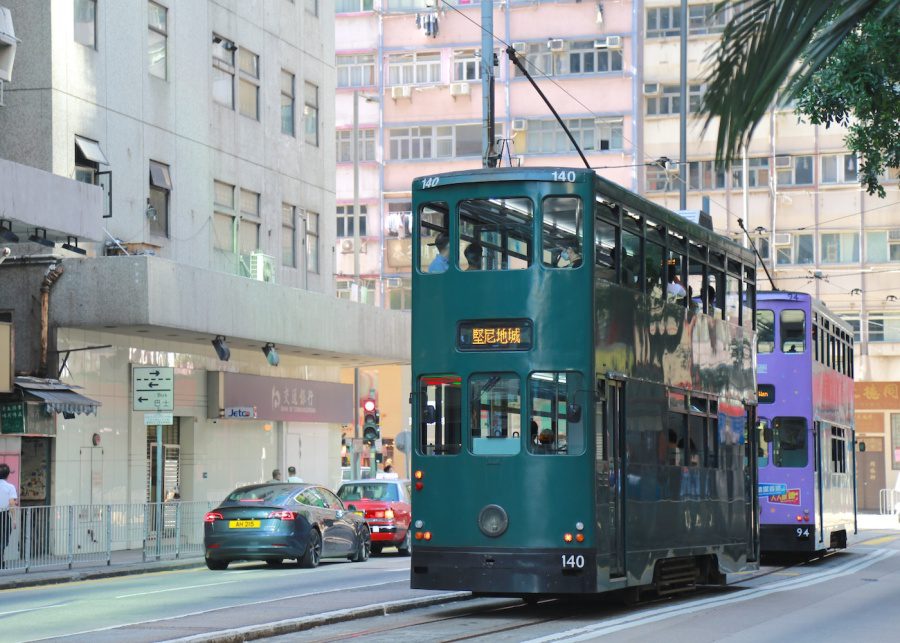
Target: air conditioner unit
{"type": "Point", "coordinates": [784, 161]}
{"type": "Point", "coordinates": [782, 238]}
{"type": "Point", "coordinates": [459, 89]}
{"type": "Point", "coordinates": [614, 42]}
{"type": "Point", "coordinates": [651, 89]}
{"type": "Point", "coordinates": [262, 267]}
{"type": "Point", "coordinates": [401, 91]}
{"type": "Point", "coordinates": [519, 125]}
{"type": "Point", "coordinates": [556, 44]}
{"type": "Point", "coordinates": [346, 246]}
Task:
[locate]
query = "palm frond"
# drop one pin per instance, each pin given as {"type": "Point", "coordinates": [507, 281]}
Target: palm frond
{"type": "Point", "coordinates": [758, 55]}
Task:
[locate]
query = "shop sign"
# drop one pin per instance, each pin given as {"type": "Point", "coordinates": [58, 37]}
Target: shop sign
{"type": "Point", "coordinates": [280, 398]}
{"type": "Point", "coordinates": [240, 413]}
{"type": "Point", "coordinates": [12, 418]}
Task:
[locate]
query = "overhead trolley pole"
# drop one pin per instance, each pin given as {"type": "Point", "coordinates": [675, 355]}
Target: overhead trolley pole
{"type": "Point", "coordinates": [489, 156]}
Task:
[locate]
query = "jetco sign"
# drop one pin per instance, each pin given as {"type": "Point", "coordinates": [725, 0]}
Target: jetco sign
{"type": "Point", "coordinates": [234, 395]}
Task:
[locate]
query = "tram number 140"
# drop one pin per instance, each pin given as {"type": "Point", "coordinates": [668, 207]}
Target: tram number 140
{"type": "Point", "coordinates": [572, 561]}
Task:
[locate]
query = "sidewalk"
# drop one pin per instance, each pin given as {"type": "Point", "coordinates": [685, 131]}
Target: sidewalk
{"type": "Point", "coordinates": [122, 563]}
{"type": "Point", "coordinates": [128, 562]}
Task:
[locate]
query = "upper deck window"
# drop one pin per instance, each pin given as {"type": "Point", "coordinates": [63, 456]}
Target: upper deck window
{"type": "Point", "coordinates": [434, 237]}
{"type": "Point", "coordinates": [793, 331]}
{"type": "Point", "coordinates": [499, 231]}
{"type": "Point", "coordinates": [562, 232]}
{"type": "Point", "coordinates": [765, 326]}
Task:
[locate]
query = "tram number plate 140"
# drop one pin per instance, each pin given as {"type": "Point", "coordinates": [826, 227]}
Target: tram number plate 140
{"type": "Point", "coordinates": [572, 561]}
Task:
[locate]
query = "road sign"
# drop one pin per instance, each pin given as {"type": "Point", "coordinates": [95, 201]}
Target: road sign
{"type": "Point", "coordinates": [153, 388]}
{"type": "Point", "coordinates": [162, 419]}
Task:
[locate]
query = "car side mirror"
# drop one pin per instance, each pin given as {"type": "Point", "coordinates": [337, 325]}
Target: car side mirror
{"type": "Point", "coordinates": [768, 434]}
{"type": "Point", "coordinates": [573, 412]}
{"type": "Point", "coordinates": [429, 415]}
{"type": "Point", "coordinates": [351, 507]}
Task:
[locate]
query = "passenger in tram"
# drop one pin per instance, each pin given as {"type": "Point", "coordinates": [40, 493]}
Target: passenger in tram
{"type": "Point", "coordinates": [674, 289]}
{"type": "Point", "coordinates": [474, 253]}
{"type": "Point", "coordinates": [442, 261]}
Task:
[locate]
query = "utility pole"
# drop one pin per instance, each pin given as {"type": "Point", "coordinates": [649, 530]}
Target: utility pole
{"type": "Point", "coordinates": [488, 157]}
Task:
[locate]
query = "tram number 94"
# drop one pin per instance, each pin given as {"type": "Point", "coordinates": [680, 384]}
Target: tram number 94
{"type": "Point", "coordinates": [803, 533]}
{"type": "Point", "coordinates": [572, 561]}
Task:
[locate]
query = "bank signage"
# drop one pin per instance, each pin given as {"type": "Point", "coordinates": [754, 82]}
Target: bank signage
{"type": "Point", "coordinates": [237, 395]}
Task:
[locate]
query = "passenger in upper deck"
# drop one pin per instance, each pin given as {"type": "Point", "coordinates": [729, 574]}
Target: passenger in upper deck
{"type": "Point", "coordinates": [473, 253]}
{"type": "Point", "coordinates": [441, 262]}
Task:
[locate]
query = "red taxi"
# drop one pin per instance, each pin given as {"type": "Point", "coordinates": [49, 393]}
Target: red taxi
{"type": "Point", "coordinates": [385, 504]}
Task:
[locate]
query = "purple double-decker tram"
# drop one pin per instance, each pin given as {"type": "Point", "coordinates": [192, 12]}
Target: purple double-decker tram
{"type": "Point", "coordinates": [807, 463]}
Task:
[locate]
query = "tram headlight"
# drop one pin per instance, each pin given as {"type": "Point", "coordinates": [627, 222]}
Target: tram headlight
{"type": "Point", "coordinates": [493, 521]}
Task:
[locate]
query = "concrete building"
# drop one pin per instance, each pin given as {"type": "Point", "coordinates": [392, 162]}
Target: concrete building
{"type": "Point", "coordinates": [612, 70]}
{"type": "Point", "coordinates": [168, 185]}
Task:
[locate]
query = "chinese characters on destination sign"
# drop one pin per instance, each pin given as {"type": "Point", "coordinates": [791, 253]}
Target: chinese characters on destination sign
{"type": "Point", "coordinates": [514, 334]}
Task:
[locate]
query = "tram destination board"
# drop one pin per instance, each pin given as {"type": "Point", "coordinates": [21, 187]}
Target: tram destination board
{"type": "Point", "coordinates": [495, 335]}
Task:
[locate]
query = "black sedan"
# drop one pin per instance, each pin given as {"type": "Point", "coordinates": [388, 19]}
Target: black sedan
{"type": "Point", "coordinates": [275, 521]}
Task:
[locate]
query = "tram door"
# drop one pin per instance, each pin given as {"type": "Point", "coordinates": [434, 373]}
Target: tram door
{"type": "Point", "coordinates": [615, 435]}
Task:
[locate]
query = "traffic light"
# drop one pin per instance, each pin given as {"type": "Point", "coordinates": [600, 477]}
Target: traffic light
{"type": "Point", "coordinates": [371, 430]}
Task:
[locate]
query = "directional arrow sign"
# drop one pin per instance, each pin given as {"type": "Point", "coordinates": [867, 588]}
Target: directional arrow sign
{"type": "Point", "coordinates": [153, 388]}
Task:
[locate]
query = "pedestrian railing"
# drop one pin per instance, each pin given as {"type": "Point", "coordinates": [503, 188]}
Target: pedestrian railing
{"type": "Point", "coordinates": [888, 501]}
{"type": "Point", "coordinates": [73, 535]}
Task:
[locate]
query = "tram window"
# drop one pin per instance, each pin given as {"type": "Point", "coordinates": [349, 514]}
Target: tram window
{"type": "Point", "coordinates": [762, 445]}
{"type": "Point", "coordinates": [696, 281]}
{"type": "Point", "coordinates": [696, 452]}
{"type": "Point", "coordinates": [765, 329]}
{"type": "Point", "coordinates": [838, 451]}
{"type": "Point", "coordinates": [561, 232]}
{"type": "Point", "coordinates": [653, 267]}
{"type": "Point", "coordinates": [712, 442]}
{"type": "Point", "coordinates": [715, 292]}
{"type": "Point", "coordinates": [433, 223]}
{"type": "Point", "coordinates": [495, 405]}
{"type": "Point", "coordinates": [673, 436]}
{"type": "Point", "coordinates": [631, 260]}
{"type": "Point", "coordinates": [789, 446]}
{"type": "Point", "coordinates": [793, 332]}
{"type": "Point", "coordinates": [605, 249]}
{"type": "Point", "coordinates": [556, 424]}
{"type": "Point", "coordinates": [503, 227]}
{"type": "Point", "coordinates": [676, 276]}
{"type": "Point", "coordinates": [732, 298]}
{"type": "Point", "coordinates": [440, 430]}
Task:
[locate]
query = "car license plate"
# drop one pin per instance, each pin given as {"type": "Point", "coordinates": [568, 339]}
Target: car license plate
{"type": "Point", "coordinates": [243, 524]}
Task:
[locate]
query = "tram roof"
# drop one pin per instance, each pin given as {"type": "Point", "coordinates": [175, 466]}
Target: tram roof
{"type": "Point", "coordinates": [796, 296]}
{"type": "Point", "coordinates": [615, 192]}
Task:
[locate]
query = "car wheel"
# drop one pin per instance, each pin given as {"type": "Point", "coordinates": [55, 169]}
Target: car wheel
{"type": "Point", "coordinates": [363, 548]}
{"type": "Point", "coordinates": [376, 549]}
{"type": "Point", "coordinates": [403, 548]}
{"type": "Point", "coordinates": [273, 562]}
{"type": "Point", "coordinates": [313, 553]}
{"type": "Point", "coordinates": [216, 565]}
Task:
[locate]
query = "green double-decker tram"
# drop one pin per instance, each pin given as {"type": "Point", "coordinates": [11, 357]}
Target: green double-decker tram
{"type": "Point", "coordinates": [583, 384]}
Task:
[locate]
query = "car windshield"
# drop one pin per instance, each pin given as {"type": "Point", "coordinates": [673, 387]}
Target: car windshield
{"type": "Point", "coordinates": [268, 494]}
{"type": "Point", "coordinates": [369, 491]}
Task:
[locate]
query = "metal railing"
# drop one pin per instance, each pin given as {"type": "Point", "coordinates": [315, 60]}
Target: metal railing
{"type": "Point", "coordinates": [71, 535]}
{"type": "Point", "coordinates": [888, 501]}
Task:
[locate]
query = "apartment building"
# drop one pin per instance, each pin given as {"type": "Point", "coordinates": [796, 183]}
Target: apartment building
{"type": "Point", "coordinates": [612, 70]}
{"type": "Point", "coordinates": [167, 192]}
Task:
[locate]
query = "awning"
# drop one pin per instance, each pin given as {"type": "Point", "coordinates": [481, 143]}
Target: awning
{"type": "Point", "coordinates": [57, 396]}
{"type": "Point", "coordinates": [91, 150]}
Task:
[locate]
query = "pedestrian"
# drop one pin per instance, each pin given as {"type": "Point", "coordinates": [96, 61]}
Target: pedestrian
{"type": "Point", "coordinates": [276, 475]}
{"type": "Point", "coordinates": [292, 474]}
{"type": "Point", "coordinates": [8, 500]}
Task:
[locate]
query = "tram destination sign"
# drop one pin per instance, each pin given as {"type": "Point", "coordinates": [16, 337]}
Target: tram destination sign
{"type": "Point", "coordinates": [495, 335]}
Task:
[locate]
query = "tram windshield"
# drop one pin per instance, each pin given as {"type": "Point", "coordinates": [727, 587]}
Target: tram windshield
{"type": "Point", "coordinates": [501, 230]}
{"type": "Point", "coordinates": [496, 414]}
{"type": "Point", "coordinates": [441, 399]}
{"type": "Point", "coordinates": [556, 423]}
{"type": "Point", "coordinates": [562, 232]}
{"type": "Point", "coordinates": [765, 326]}
{"type": "Point", "coordinates": [789, 446]}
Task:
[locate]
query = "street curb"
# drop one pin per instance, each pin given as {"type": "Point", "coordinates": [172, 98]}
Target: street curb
{"type": "Point", "coordinates": [75, 575]}
{"type": "Point", "coordinates": [289, 626]}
